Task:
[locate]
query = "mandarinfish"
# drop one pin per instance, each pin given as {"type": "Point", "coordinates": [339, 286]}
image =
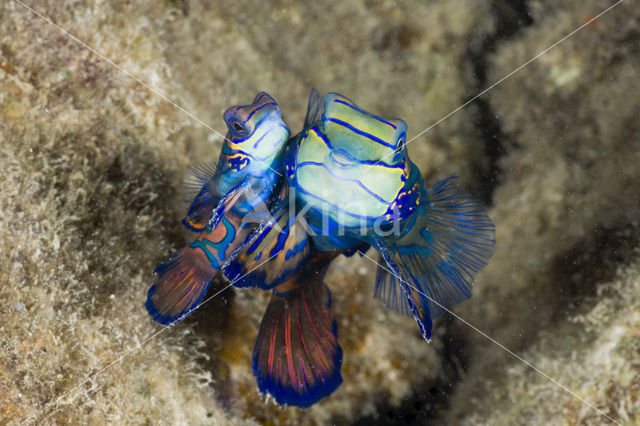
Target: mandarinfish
{"type": "Point", "coordinates": [243, 181]}
{"type": "Point", "coordinates": [352, 186]}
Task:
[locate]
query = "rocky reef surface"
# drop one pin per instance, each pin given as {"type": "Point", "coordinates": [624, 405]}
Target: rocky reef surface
{"type": "Point", "coordinates": [93, 161]}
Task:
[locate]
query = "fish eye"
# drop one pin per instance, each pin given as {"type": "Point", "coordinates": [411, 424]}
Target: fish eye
{"type": "Point", "coordinates": [400, 146]}
{"type": "Point", "coordinates": [235, 124]}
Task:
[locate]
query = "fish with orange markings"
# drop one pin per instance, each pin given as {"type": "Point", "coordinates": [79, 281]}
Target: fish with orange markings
{"type": "Point", "coordinates": [353, 186]}
{"type": "Point", "coordinates": [344, 184]}
{"type": "Point", "coordinates": [245, 179]}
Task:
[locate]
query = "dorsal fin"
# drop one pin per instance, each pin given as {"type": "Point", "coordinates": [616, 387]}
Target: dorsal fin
{"type": "Point", "coordinates": [315, 108]}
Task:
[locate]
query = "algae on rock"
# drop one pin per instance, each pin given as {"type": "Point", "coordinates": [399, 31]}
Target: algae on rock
{"type": "Point", "coordinates": [93, 163]}
{"type": "Point", "coordinates": [567, 212]}
{"type": "Point", "coordinates": [596, 354]}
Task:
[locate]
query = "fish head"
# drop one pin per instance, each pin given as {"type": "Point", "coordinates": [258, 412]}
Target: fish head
{"type": "Point", "coordinates": [367, 137]}
{"type": "Point", "coordinates": [352, 166]}
{"type": "Point", "coordinates": [255, 142]}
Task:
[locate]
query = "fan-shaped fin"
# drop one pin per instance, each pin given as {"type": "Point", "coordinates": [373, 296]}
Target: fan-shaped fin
{"type": "Point", "coordinates": [297, 358]}
{"type": "Point", "coordinates": [450, 240]}
{"type": "Point", "coordinates": [182, 281]}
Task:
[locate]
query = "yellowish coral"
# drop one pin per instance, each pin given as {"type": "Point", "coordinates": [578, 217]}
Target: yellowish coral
{"type": "Point", "coordinates": [595, 354]}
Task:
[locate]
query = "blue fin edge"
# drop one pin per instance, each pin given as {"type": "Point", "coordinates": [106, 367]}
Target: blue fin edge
{"type": "Point", "coordinates": [153, 311]}
{"type": "Point", "coordinates": [167, 320]}
{"type": "Point", "coordinates": [286, 396]}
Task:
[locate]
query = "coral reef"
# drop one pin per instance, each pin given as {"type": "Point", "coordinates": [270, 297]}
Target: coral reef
{"type": "Point", "coordinates": [595, 354]}
{"type": "Point", "coordinates": [92, 167]}
{"type": "Point", "coordinates": [568, 209]}
{"type": "Point", "coordinates": [89, 170]}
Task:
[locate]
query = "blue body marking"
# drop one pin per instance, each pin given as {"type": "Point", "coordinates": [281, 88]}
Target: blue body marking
{"type": "Point", "coordinates": [321, 136]}
{"type": "Point", "coordinates": [367, 190]}
{"type": "Point", "coordinates": [333, 205]}
{"type": "Point", "coordinates": [281, 240]}
{"type": "Point", "coordinates": [340, 101]}
{"type": "Point", "coordinates": [360, 132]}
{"type": "Point", "coordinates": [297, 249]}
{"type": "Point", "coordinates": [255, 145]}
{"type": "Point", "coordinates": [258, 109]}
{"type": "Point", "coordinates": [220, 247]}
{"type": "Point", "coordinates": [262, 235]}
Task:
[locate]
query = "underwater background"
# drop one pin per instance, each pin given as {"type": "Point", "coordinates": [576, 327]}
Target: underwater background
{"type": "Point", "coordinates": [92, 167]}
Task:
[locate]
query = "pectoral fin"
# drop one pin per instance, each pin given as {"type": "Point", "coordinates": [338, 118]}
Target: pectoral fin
{"type": "Point", "coordinates": [182, 281]}
{"type": "Point", "coordinates": [451, 239]}
{"type": "Point", "coordinates": [400, 294]}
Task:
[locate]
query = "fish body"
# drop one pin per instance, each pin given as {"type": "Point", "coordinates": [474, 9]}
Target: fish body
{"type": "Point", "coordinates": [357, 186]}
{"type": "Point", "coordinates": [348, 184]}
{"type": "Point", "coordinates": [296, 357]}
{"type": "Point", "coordinates": [351, 186]}
{"type": "Point", "coordinates": [245, 179]}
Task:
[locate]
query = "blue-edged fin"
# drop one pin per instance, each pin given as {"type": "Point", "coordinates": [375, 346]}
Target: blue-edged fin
{"type": "Point", "coordinates": [444, 246]}
{"type": "Point", "coordinates": [181, 283]}
{"type": "Point", "coordinates": [297, 357]}
{"type": "Point", "coordinates": [272, 254]}
{"type": "Point", "coordinates": [208, 208]}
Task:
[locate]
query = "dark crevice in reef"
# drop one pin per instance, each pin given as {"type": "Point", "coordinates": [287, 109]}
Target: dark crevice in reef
{"type": "Point", "coordinates": [421, 408]}
{"type": "Point", "coordinates": [511, 17]}
{"type": "Point", "coordinates": [487, 172]}
{"type": "Point", "coordinates": [428, 402]}
{"type": "Point", "coordinates": [591, 261]}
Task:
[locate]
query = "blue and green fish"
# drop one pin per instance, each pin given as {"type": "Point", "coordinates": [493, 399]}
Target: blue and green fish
{"type": "Point", "coordinates": [245, 179]}
{"type": "Point", "coordinates": [352, 186]}
{"type": "Point", "coordinates": [341, 186]}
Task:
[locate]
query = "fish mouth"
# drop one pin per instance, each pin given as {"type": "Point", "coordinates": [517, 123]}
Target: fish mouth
{"type": "Point", "coordinates": [341, 158]}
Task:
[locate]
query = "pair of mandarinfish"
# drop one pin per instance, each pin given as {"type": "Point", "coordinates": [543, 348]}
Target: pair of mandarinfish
{"type": "Point", "coordinates": [277, 210]}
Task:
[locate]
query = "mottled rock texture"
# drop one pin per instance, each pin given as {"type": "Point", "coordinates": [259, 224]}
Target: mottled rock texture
{"type": "Point", "coordinates": [567, 214]}
{"type": "Point", "coordinates": [92, 164]}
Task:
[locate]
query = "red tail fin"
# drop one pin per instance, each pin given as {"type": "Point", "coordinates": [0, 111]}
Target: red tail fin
{"type": "Point", "coordinates": [297, 358]}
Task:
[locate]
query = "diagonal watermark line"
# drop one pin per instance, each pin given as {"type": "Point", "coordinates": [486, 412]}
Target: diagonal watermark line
{"type": "Point", "coordinates": [135, 348]}
{"type": "Point", "coordinates": [166, 99]}
{"type": "Point", "coordinates": [121, 69]}
{"type": "Point", "coordinates": [518, 357]}
{"type": "Point", "coordinates": [483, 92]}
{"type": "Point", "coordinates": [128, 73]}
{"type": "Point", "coordinates": [586, 24]}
